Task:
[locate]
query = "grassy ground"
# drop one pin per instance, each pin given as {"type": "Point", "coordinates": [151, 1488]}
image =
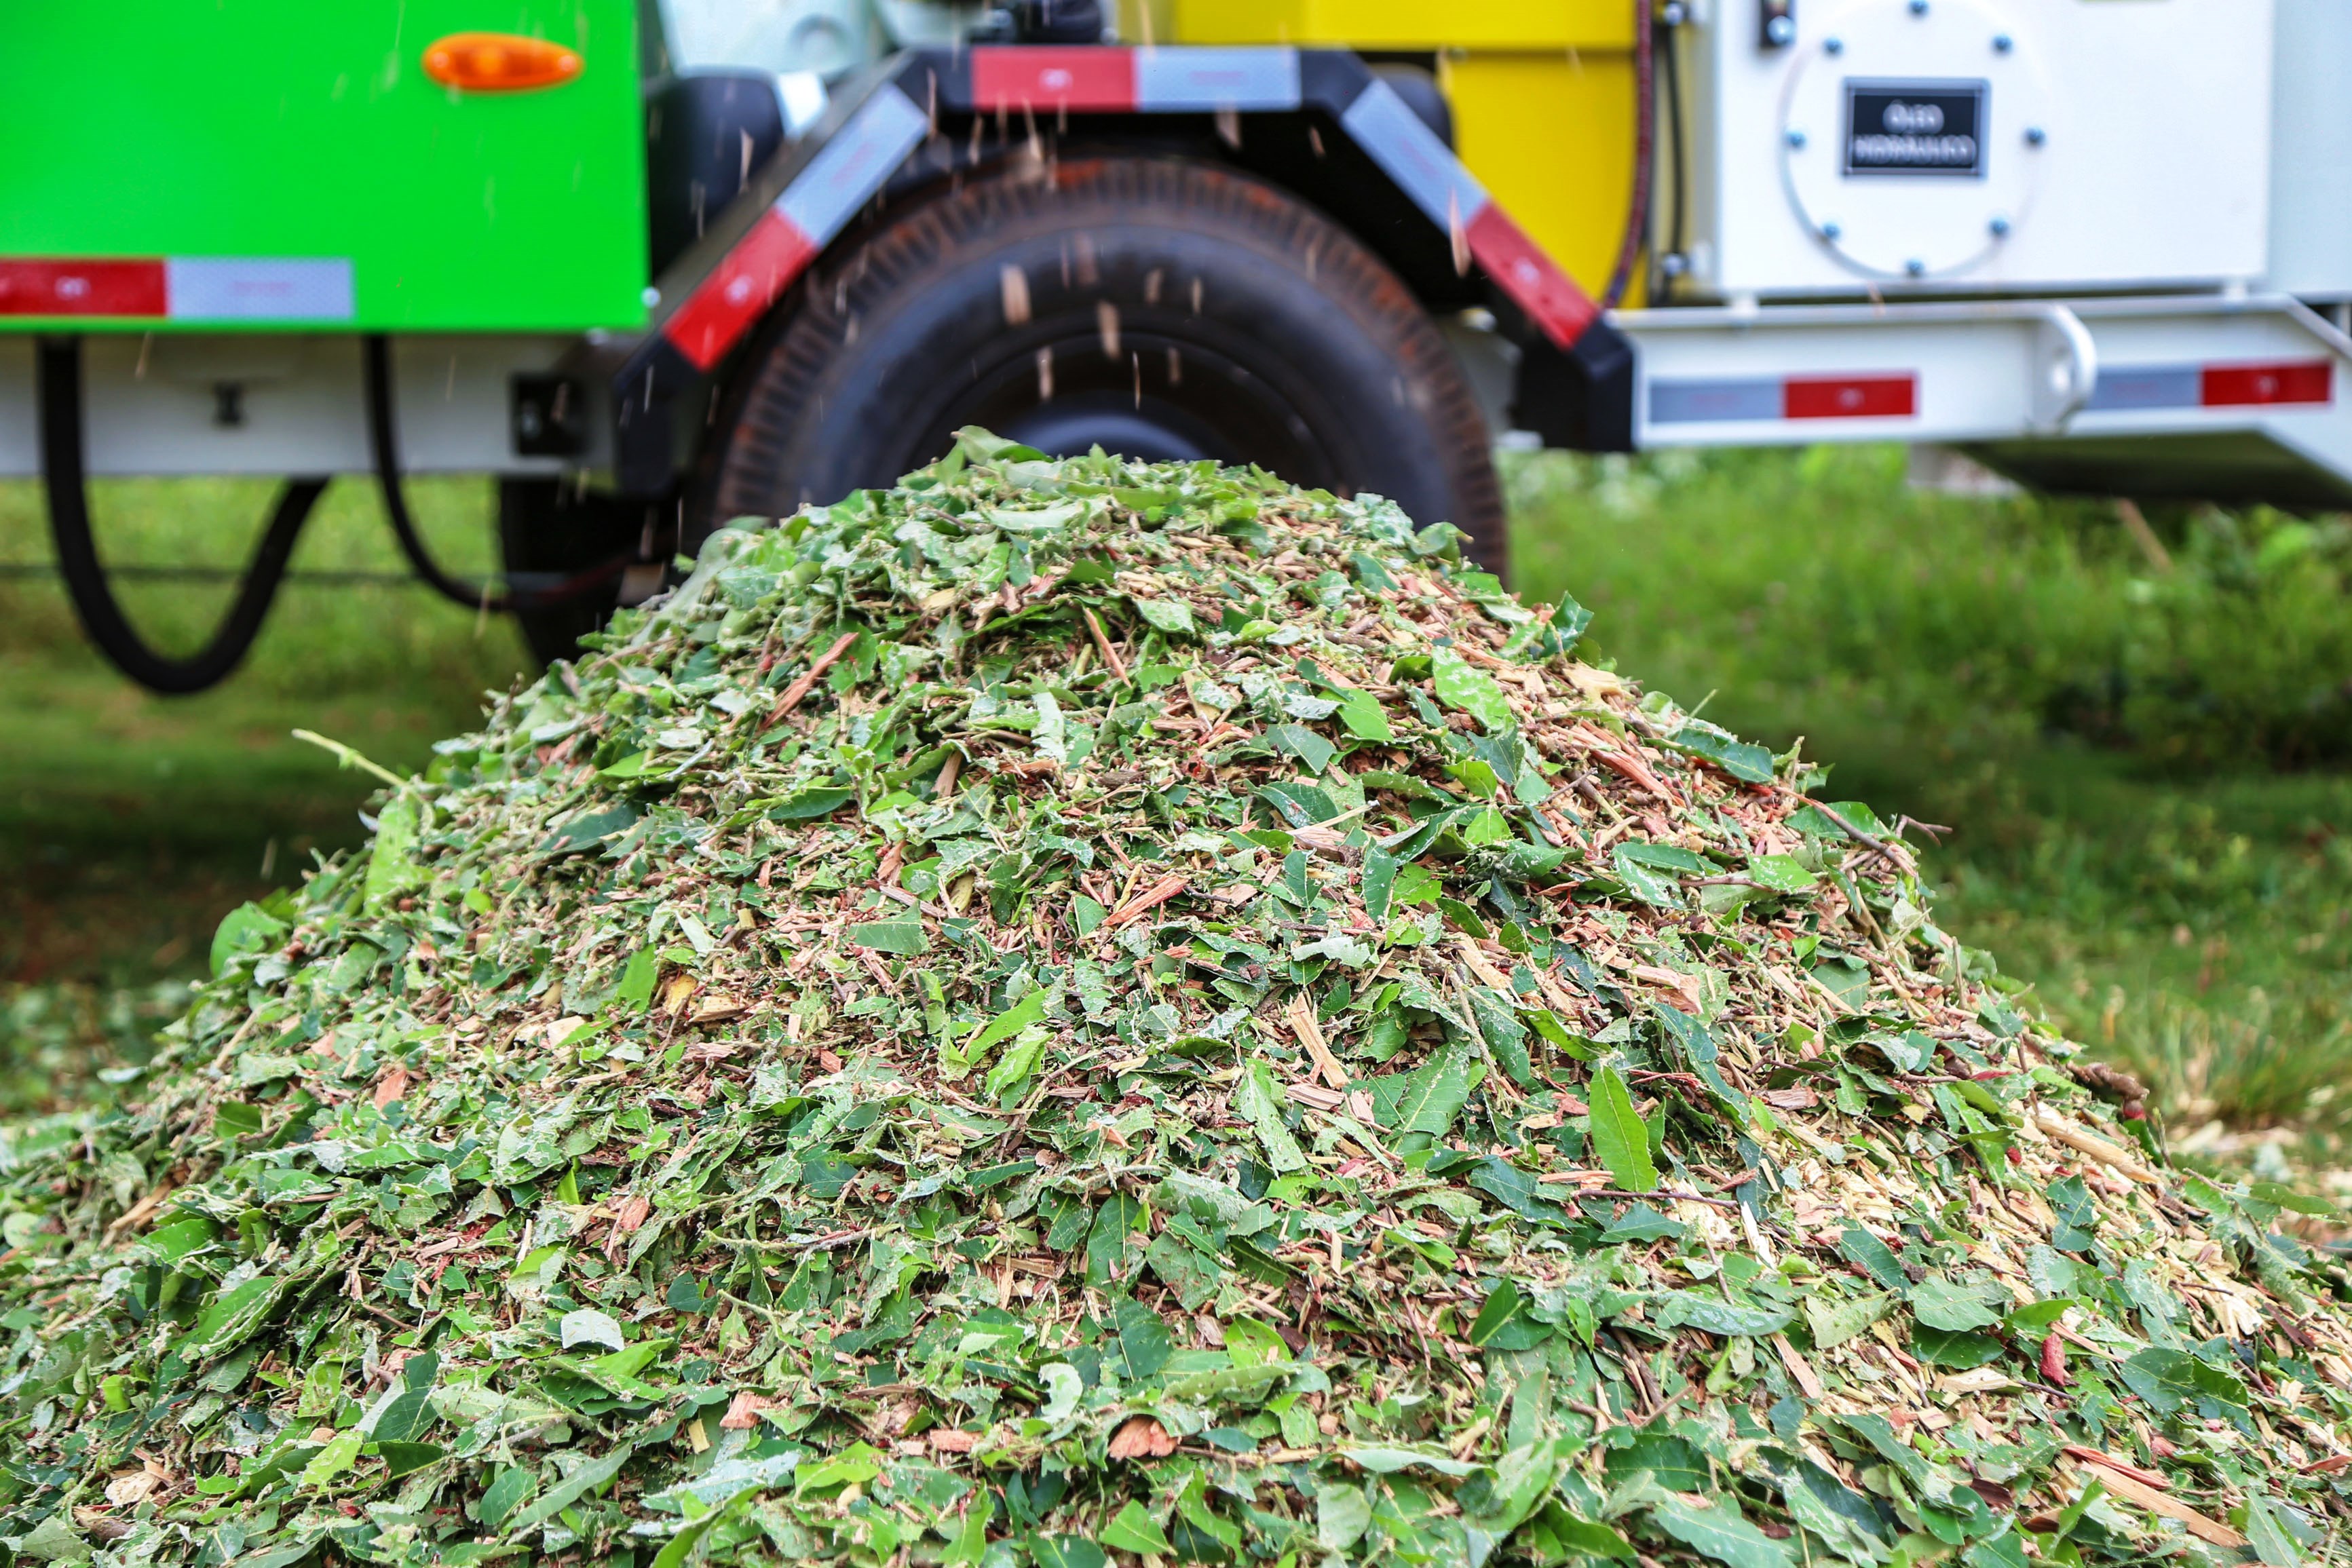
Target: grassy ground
{"type": "Point", "coordinates": [129, 823]}
{"type": "Point", "coordinates": [2135, 744]}
{"type": "Point", "coordinates": [2138, 746]}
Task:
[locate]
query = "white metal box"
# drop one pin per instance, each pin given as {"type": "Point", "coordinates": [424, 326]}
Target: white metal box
{"type": "Point", "coordinates": [1894, 147]}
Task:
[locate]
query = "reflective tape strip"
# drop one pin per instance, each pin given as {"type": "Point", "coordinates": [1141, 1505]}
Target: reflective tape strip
{"type": "Point", "coordinates": [2126, 388]}
{"type": "Point", "coordinates": [1892, 396]}
{"type": "Point", "coordinates": [1433, 179]}
{"type": "Point", "coordinates": [259, 289]}
{"type": "Point", "coordinates": [1724, 399]}
{"type": "Point", "coordinates": [723, 305]}
{"type": "Point", "coordinates": [2294, 381]}
{"type": "Point", "coordinates": [1084, 77]}
{"type": "Point", "coordinates": [851, 167]}
{"type": "Point", "coordinates": [818, 204]}
{"type": "Point", "coordinates": [182, 288]}
{"type": "Point", "coordinates": [71, 287]}
{"type": "Point", "coordinates": [1408, 152]}
{"type": "Point", "coordinates": [1201, 81]}
{"type": "Point", "coordinates": [1534, 281]}
{"type": "Point", "coordinates": [1718, 402]}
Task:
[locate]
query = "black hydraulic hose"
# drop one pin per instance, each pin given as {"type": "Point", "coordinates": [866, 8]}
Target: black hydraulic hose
{"type": "Point", "coordinates": [1671, 68]}
{"type": "Point", "coordinates": [383, 450]}
{"type": "Point", "coordinates": [1637, 208]}
{"type": "Point", "coordinates": [58, 373]}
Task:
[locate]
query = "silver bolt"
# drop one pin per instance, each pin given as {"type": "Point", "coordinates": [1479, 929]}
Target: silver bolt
{"type": "Point", "coordinates": [1999, 226]}
{"type": "Point", "coordinates": [1916, 268]}
{"type": "Point", "coordinates": [651, 297]}
{"type": "Point", "coordinates": [1780, 29]}
{"type": "Point", "coordinates": [1833, 46]}
{"type": "Point", "coordinates": [1831, 231]}
{"type": "Point", "coordinates": [1673, 14]}
{"type": "Point", "coordinates": [1796, 139]}
{"type": "Point", "coordinates": [2035, 136]}
{"type": "Point", "coordinates": [2002, 43]}
{"type": "Point", "coordinates": [1674, 263]}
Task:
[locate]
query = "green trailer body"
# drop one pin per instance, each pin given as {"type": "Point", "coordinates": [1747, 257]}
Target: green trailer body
{"type": "Point", "coordinates": [277, 131]}
{"type": "Point", "coordinates": [645, 281]}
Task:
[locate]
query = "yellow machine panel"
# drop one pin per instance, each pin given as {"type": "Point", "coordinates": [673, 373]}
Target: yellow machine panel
{"type": "Point", "coordinates": [1542, 93]}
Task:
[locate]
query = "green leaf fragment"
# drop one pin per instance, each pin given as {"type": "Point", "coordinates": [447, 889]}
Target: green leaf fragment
{"type": "Point", "coordinates": [1620, 1139]}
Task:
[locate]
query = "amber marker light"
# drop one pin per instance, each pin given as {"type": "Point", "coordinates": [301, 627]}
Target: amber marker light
{"type": "Point", "coordinates": [499, 62]}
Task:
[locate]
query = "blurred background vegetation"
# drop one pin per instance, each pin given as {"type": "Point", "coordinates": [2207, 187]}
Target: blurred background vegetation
{"type": "Point", "coordinates": [2140, 737]}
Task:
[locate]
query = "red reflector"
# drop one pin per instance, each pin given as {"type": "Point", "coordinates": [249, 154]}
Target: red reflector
{"type": "Point", "coordinates": [714, 318]}
{"type": "Point", "coordinates": [1520, 266]}
{"type": "Point", "coordinates": [1850, 397]}
{"type": "Point", "coordinates": [50, 287]}
{"type": "Point", "coordinates": [2296, 381]}
{"type": "Point", "coordinates": [1079, 76]}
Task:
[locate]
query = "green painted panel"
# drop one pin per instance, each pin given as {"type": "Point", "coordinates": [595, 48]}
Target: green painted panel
{"type": "Point", "coordinates": [292, 129]}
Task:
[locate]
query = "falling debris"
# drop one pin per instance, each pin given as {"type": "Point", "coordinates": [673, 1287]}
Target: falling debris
{"type": "Point", "coordinates": [1073, 1010]}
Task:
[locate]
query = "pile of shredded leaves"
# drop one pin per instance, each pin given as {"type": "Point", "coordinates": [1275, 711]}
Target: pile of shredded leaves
{"type": "Point", "coordinates": [1078, 1012]}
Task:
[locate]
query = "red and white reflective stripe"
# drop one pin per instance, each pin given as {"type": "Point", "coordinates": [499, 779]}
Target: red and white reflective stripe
{"type": "Point", "coordinates": [817, 205]}
{"type": "Point", "coordinates": [2241, 386]}
{"type": "Point", "coordinates": [180, 289]}
{"type": "Point", "coordinates": [1533, 280]}
{"type": "Point", "coordinates": [1090, 79]}
{"type": "Point", "coordinates": [1727, 399]}
{"type": "Point", "coordinates": [1425, 169]}
{"type": "Point", "coordinates": [859, 158]}
{"type": "Point", "coordinates": [2124, 389]}
{"type": "Point", "coordinates": [739, 291]}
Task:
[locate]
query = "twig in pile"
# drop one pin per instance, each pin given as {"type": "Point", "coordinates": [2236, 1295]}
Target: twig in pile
{"type": "Point", "coordinates": [1143, 903]}
{"type": "Point", "coordinates": [1102, 646]}
{"type": "Point", "coordinates": [1867, 840]}
{"type": "Point", "coordinates": [2099, 1149]}
{"type": "Point", "coordinates": [807, 682]}
{"type": "Point", "coordinates": [1310, 1035]}
{"type": "Point", "coordinates": [1659, 1193]}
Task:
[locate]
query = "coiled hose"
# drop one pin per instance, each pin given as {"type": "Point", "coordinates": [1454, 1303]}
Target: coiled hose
{"type": "Point", "coordinates": [65, 479]}
{"type": "Point", "coordinates": [58, 372]}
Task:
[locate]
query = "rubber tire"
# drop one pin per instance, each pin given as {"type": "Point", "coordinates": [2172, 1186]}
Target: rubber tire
{"type": "Point", "coordinates": [1308, 354]}
{"type": "Point", "coordinates": [549, 525]}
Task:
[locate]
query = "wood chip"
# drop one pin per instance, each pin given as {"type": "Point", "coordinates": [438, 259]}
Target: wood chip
{"type": "Point", "coordinates": [2133, 1491]}
{"type": "Point", "coordinates": [744, 1410]}
{"type": "Point", "coordinates": [1141, 1438]}
{"type": "Point", "coordinates": [1799, 1367]}
{"type": "Point", "coordinates": [1301, 1014]}
{"type": "Point", "coordinates": [2098, 1148]}
{"type": "Point", "coordinates": [807, 682]}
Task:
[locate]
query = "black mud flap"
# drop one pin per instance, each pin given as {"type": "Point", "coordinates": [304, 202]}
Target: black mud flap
{"type": "Point", "coordinates": [1580, 398]}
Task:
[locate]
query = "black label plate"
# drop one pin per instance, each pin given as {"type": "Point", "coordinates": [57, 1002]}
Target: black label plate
{"type": "Point", "coordinates": [1916, 128]}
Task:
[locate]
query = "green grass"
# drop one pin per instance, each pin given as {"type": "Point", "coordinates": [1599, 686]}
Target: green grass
{"type": "Point", "coordinates": [2138, 765]}
{"type": "Point", "coordinates": [2111, 743]}
{"type": "Point", "coordinates": [128, 822]}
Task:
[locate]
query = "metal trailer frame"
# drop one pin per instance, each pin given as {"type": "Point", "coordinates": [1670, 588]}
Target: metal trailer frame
{"type": "Point", "coordinates": [2205, 396]}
